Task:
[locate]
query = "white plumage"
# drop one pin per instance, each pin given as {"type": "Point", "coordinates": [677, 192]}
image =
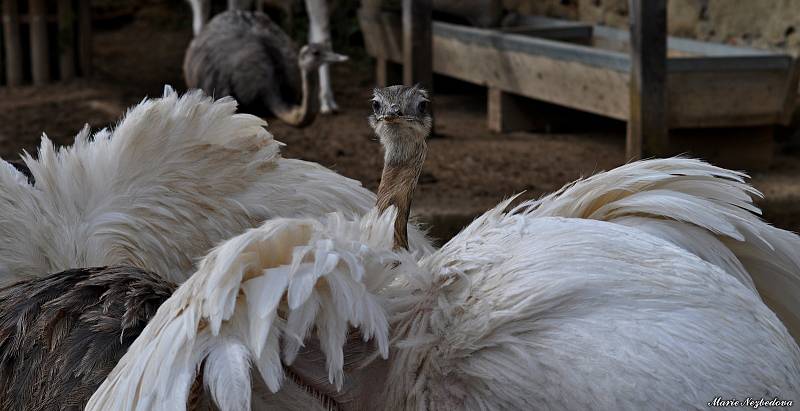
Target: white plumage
{"type": "Point", "coordinates": [632, 289]}
{"type": "Point", "coordinates": [321, 274]}
{"type": "Point", "coordinates": [172, 179]}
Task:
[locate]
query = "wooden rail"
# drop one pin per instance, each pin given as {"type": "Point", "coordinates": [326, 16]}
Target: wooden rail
{"type": "Point", "coordinates": [648, 132]}
{"type": "Point", "coordinates": [46, 57]}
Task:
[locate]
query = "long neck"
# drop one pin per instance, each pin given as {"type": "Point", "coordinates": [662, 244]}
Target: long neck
{"type": "Point", "coordinates": [397, 186]}
{"type": "Point", "coordinates": [304, 114]}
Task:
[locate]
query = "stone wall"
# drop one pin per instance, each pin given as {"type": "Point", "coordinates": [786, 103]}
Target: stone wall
{"type": "Point", "coordinates": [770, 24]}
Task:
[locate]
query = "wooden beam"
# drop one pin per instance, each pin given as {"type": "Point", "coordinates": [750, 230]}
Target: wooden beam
{"type": "Point", "coordinates": [66, 39]}
{"type": "Point", "coordinates": [724, 89]}
{"type": "Point", "coordinates": [85, 37]}
{"type": "Point", "coordinates": [40, 55]}
{"type": "Point", "coordinates": [13, 46]}
{"type": "Point", "coordinates": [647, 123]}
{"type": "Point", "coordinates": [790, 100]}
{"type": "Point", "coordinates": [418, 43]}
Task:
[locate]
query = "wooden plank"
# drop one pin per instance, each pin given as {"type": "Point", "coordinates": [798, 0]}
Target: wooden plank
{"type": "Point", "coordinates": [13, 45]}
{"type": "Point", "coordinates": [582, 34]}
{"type": "Point", "coordinates": [739, 148]}
{"type": "Point", "coordinates": [647, 122]}
{"type": "Point", "coordinates": [417, 43]}
{"type": "Point", "coordinates": [85, 37]}
{"type": "Point", "coordinates": [715, 91]}
{"type": "Point", "coordinates": [66, 39]}
{"type": "Point", "coordinates": [40, 55]}
{"type": "Point", "coordinates": [567, 83]}
{"type": "Point", "coordinates": [686, 46]}
{"type": "Point", "coordinates": [725, 98]}
{"type": "Point", "coordinates": [556, 50]}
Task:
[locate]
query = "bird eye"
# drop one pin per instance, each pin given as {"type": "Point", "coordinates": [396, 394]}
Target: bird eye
{"type": "Point", "coordinates": [376, 106]}
{"type": "Point", "coordinates": [422, 107]}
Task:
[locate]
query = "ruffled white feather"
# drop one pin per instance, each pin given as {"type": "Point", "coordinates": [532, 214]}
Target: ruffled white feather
{"type": "Point", "coordinates": [653, 308]}
{"type": "Point", "coordinates": [268, 285]}
{"type": "Point", "coordinates": [704, 209]}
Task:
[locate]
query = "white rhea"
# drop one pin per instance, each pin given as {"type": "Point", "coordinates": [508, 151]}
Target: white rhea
{"type": "Point", "coordinates": [638, 288]}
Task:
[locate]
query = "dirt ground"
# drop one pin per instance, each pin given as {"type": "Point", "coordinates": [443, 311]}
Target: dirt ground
{"type": "Point", "coordinates": [468, 168]}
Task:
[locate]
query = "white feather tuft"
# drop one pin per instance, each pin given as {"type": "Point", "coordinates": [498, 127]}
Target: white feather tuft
{"type": "Point", "coordinates": [231, 309]}
{"type": "Point", "coordinates": [227, 375]}
{"type": "Point", "coordinates": [704, 209]}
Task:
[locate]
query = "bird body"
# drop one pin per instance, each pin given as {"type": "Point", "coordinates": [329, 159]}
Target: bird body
{"type": "Point", "coordinates": [650, 286]}
{"type": "Point", "coordinates": [61, 335]}
{"type": "Point", "coordinates": [245, 55]}
{"type": "Point", "coordinates": [318, 32]}
{"type": "Point", "coordinates": [641, 287]}
{"type": "Point", "coordinates": [565, 313]}
{"type": "Point", "coordinates": [262, 51]}
{"type": "Point", "coordinates": [518, 311]}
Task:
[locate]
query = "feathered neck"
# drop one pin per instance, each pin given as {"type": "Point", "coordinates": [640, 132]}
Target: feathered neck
{"type": "Point", "coordinates": [403, 159]}
{"type": "Point", "coordinates": [306, 112]}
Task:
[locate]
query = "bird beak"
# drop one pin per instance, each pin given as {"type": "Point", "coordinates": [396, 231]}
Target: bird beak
{"type": "Point", "coordinates": [331, 57]}
{"type": "Point", "coordinates": [389, 118]}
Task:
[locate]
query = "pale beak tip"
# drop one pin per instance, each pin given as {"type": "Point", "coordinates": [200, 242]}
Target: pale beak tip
{"type": "Point", "coordinates": [336, 57]}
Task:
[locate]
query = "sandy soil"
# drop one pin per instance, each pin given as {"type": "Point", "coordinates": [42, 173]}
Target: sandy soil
{"type": "Point", "coordinates": [468, 169]}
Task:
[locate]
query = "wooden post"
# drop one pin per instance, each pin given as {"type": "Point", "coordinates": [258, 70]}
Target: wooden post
{"type": "Point", "coordinates": [2, 58]}
{"type": "Point", "coordinates": [387, 73]}
{"type": "Point", "coordinates": [85, 37]}
{"type": "Point", "coordinates": [13, 46]}
{"type": "Point", "coordinates": [381, 72]}
{"type": "Point", "coordinates": [418, 47]}
{"type": "Point", "coordinates": [418, 43]}
{"type": "Point", "coordinates": [648, 132]}
{"type": "Point", "coordinates": [66, 39]}
{"type": "Point", "coordinates": [40, 58]}
{"type": "Point", "coordinates": [506, 114]}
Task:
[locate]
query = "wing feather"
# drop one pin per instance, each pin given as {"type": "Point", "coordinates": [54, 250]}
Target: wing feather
{"type": "Point", "coordinates": [237, 304]}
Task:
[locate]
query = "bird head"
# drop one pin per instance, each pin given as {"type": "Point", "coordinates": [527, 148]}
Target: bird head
{"type": "Point", "coordinates": [313, 55]}
{"type": "Point", "coordinates": [401, 119]}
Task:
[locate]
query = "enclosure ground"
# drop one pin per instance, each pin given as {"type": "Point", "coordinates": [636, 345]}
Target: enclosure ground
{"type": "Point", "coordinates": [468, 169]}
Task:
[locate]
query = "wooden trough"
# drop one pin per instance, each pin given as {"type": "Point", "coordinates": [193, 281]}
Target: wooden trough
{"type": "Point", "coordinates": [43, 40]}
{"type": "Point", "coordinates": [588, 68]}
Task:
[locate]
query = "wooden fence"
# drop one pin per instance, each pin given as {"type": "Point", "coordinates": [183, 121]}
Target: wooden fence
{"type": "Point", "coordinates": [44, 40]}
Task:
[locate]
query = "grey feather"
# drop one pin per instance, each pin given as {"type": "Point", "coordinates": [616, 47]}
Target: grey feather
{"type": "Point", "coordinates": [61, 335]}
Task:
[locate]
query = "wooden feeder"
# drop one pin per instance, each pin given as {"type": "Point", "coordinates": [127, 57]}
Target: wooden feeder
{"type": "Point", "coordinates": [44, 40]}
{"type": "Point", "coordinates": [693, 91]}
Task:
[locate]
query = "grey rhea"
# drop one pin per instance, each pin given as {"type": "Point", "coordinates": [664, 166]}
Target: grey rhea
{"type": "Point", "coordinates": [247, 56]}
